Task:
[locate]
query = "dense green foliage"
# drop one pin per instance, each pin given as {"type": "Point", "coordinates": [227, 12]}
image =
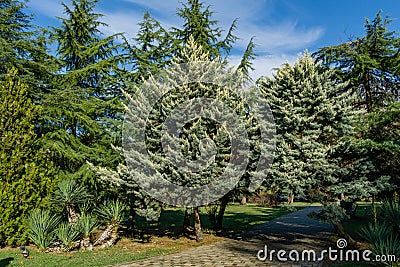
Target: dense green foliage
{"type": "Point", "coordinates": [370, 63]}
{"type": "Point", "coordinates": [62, 114]}
{"type": "Point", "coordinates": [80, 116]}
{"type": "Point", "coordinates": [25, 171]}
{"type": "Point", "coordinates": [312, 120]}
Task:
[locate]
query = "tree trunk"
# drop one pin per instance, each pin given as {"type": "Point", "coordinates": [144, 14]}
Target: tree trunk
{"type": "Point", "coordinates": [131, 222]}
{"type": "Point", "coordinates": [244, 200]}
{"type": "Point", "coordinates": [186, 221]}
{"type": "Point", "coordinates": [85, 243]}
{"type": "Point", "coordinates": [337, 224]}
{"type": "Point", "coordinates": [112, 241]}
{"type": "Point", "coordinates": [222, 207]}
{"type": "Point", "coordinates": [71, 214]}
{"type": "Point", "coordinates": [291, 198]}
{"type": "Point", "coordinates": [106, 234]}
{"type": "Point", "coordinates": [197, 225]}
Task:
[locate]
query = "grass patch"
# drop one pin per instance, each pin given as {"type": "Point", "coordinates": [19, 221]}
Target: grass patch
{"type": "Point", "coordinates": [153, 239]}
{"type": "Point", "coordinates": [363, 216]}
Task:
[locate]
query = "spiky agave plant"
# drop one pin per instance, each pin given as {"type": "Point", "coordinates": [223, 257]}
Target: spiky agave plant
{"type": "Point", "coordinates": [42, 228]}
{"type": "Point", "coordinates": [390, 211]}
{"type": "Point", "coordinates": [68, 234]}
{"type": "Point", "coordinates": [113, 213]}
{"type": "Point", "coordinates": [87, 223]}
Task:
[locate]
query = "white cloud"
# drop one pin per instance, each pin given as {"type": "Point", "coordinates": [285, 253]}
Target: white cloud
{"type": "Point", "coordinates": [47, 7]}
{"type": "Point", "coordinates": [284, 37]}
{"type": "Point", "coordinates": [121, 22]}
{"type": "Point", "coordinates": [265, 65]}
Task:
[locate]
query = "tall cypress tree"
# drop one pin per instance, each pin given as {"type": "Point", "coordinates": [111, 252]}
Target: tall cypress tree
{"type": "Point", "coordinates": [25, 172]}
{"type": "Point", "coordinates": [82, 110]}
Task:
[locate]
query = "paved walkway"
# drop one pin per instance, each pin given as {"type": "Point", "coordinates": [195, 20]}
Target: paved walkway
{"type": "Point", "coordinates": [292, 231]}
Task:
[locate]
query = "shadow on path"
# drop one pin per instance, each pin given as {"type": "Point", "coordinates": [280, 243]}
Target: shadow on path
{"type": "Point", "coordinates": [294, 231]}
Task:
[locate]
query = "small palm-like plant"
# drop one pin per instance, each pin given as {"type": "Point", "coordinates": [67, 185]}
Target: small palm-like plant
{"type": "Point", "coordinates": [42, 228]}
{"type": "Point", "coordinates": [68, 195]}
{"type": "Point", "coordinates": [113, 212]}
{"type": "Point", "coordinates": [391, 213]}
{"type": "Point", "coordinates": [87, 224]}
{"type": "Point", "coordinates": [382, 240]}
{"type": "Point", "coordinates": [68, 234]}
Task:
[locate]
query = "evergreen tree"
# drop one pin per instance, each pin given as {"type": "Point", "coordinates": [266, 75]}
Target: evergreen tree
{"type": "Point", "coordinates": [151, 50]}
{"type": "Point", "coordinates": [25, 172]}
{"type": "Point", "coordinates": [370, 63]}
{"type": "Point", "coordinates": [312, 119]}
{"type": "Point", "coordinates": [204, 143]}
{"type": "Point", "coordinates": [23, 47]}
{"type": "Point", "coordinates": [198, 24]}
{"type": "Point", "coordinates": [81, 113]}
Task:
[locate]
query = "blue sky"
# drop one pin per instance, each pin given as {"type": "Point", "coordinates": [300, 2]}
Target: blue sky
{"type": "Point", "coordinates": [282, 28]}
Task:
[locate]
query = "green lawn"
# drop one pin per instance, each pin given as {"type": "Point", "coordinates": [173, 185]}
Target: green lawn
{"type": "Point", "coordinates": [154, 239]}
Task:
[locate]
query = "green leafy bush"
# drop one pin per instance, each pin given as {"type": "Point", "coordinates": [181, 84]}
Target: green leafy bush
{"type": "Point", "coordinates": [42, 228]}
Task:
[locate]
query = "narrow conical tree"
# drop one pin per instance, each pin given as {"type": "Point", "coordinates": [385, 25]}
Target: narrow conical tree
{"type": "Point", "coordinates": [25, 172]}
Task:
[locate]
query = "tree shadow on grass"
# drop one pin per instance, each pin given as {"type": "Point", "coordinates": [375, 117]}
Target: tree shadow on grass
{"type": "Point", "coordinates": [5, 262]}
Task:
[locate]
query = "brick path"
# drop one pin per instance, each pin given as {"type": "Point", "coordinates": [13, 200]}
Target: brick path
{"type": "Point", "coordinates": [292, 231]}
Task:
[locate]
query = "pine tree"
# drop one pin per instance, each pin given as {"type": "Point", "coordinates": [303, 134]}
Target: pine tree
{"type": "Point", "coordinates": [370, 63]}
{"type": "Point", "coordinates": [312, 119]}
{"type": "Point", "coordinates": [23, 46]}
{"type": "Point", "coordinates": [202, 152]}
{"type": "Point", "coordinates": [25, 172]}
{"type": "Point", "coordinates": [81, 115]}
{"type": "Point", "coordinates": [198, 24]}
{"type": "Point", "coordinates": [151, 49]}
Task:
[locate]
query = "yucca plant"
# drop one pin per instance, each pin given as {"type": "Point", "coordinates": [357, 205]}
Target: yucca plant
{"type": "Point", "coordinates": [68, 195]}
{"type": "Point", "coordinates": [42, 226]}
{"type": "Point", "coordinates": [390, 211]}
{"type": "Point", "coordinates": [374, 233]}
{"type": "Point", "coordinates": [113, 213]}
{"type": "Point", "coordinates": [87, 223]}
{"type": "Point", "coordinates": [382, 240]}
{"type": "Point", "coordinates": [69, 234]}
